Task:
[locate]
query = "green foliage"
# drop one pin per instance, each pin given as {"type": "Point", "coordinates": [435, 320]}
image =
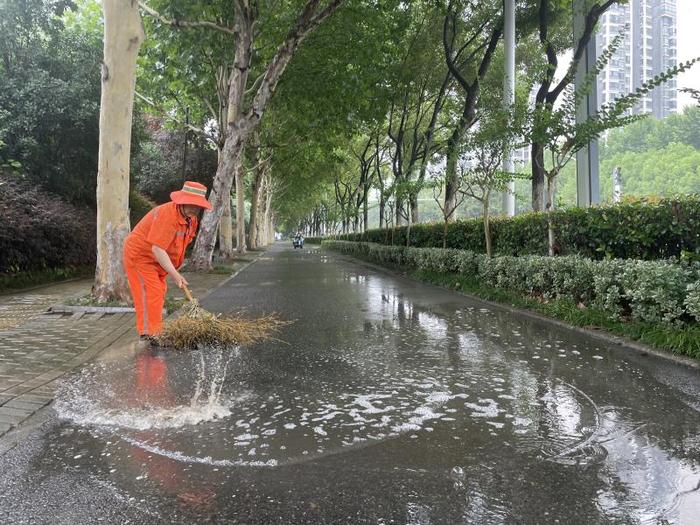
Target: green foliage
{"type": "Point", "coordinates": [49, 98]}
{"type": "Point", "coordinates": [655, 292]}
{"type": "Point", "coordinates": [655, 134]}
{"type": "Point", "coordinates": [642, 230]}
{"type": "Point", "coordinates": [185, 70]}
{"type": "Point", "coordinates": [656, 157]}
{"type": "Point", "coordinates": [157, 168]}
{"type": "Point", "coordinates": [326, 99]}
{"type": "Point", "coordinates": [41, 231]}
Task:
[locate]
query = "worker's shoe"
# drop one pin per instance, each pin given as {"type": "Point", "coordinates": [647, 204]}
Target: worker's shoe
{"type": "Point", "coordinates": [148, 341]}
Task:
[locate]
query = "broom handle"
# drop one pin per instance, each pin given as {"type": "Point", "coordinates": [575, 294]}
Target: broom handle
{"type": "Point", "coordinates": [188, 294]}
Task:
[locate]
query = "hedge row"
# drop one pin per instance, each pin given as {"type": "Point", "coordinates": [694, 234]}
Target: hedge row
{"type": "Point", "coordinates": [638, 230]}
{"type": "Point", "coordinates": [652, 291]}
{"type": "Point", "coordinates": [40, 231]}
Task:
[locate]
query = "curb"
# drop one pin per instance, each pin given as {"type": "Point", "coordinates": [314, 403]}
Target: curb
{"type": "Point", "coordinates": [599, 335]}
{"type": "Point", "coordinates": [64, 309]}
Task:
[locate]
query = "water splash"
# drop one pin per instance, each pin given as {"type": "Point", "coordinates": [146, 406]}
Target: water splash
{"type": "Point", "coordinates": [153, 392]}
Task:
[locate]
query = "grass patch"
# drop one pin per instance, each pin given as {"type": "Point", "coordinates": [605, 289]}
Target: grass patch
{"type": "Point", "coordinates": [684, 340]}
{"type": "Point", "coordinates": [222, 269]}
{"type": "Point", "coordinates": [21, 280]}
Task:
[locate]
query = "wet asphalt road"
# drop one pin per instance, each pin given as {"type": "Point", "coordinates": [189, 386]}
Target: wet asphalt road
{"type": "Point", "coordinates": [385, 401]}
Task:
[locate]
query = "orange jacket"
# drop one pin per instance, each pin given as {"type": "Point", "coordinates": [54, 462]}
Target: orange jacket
{"type": "Point", "coordinates": [165, 227]}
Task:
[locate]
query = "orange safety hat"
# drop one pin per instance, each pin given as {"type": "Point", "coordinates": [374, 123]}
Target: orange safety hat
{"type": "Point", "coordinates": [192, 193]}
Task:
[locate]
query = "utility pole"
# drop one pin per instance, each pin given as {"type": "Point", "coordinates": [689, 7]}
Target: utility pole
{"type": "Point", "coordinates": [587, 161]}
{"type": "Point", "coordinates": [509, 97]}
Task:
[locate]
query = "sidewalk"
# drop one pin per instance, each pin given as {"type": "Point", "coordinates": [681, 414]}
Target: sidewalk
{"type": "Point", "coordinates": [38, 346]}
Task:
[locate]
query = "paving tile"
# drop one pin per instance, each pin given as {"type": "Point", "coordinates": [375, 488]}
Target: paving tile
{"type": "Point", "coordinates": [38, 347]}
{"type": "Point", "coordinates": [23, 405]}
{"type": "Point", "coordinates": [12, 420]}
{"type": "Point", "coordinates": [13, 412]}
{"type": "Point", "coordinates": [35, 398]}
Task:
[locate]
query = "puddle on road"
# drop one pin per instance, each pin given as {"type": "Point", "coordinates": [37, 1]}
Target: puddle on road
{"type": "Point", "coordinates": [470, 412]}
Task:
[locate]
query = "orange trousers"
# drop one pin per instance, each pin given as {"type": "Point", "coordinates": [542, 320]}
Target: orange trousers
{"type": "Point", "coordinates": [148, 291]}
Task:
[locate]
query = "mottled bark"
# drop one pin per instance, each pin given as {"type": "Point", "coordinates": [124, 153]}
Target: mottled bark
{"type": "Point", "coordinates": [258, 176]}
{"type": "Point", "coordinates": [123, 35]}
{"type": "Point", "coordinates": [451, 181]}
{"type": "Point", "coordinates": [538, 176]}
{"type": "Point", "coordinates": [242, 123]}
{"type": "Point", "coordinates": [240, 211]}
{"type": "Point", "coordinates": [226, 231]}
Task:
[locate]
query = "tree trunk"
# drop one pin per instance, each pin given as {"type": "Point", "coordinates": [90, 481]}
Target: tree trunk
{"type": "Point", "coordinates": [240, 125]}
{"type": "Point", "coordinates": [254, 206]}
{"type": "Point", "coordinates": [365, 211]}
{"type": "Point", "coordinates": [400, 217]}
{"type": "Point", "coordinates": [226, 231]}
{"type": "Point", "coordinates": [413, 199]}
{"type": "Point", "coordinates": [487, 225]}
{"type": "Point", "coordinates": [409, 222]}
{"type": "Point", "coordinates": [269, 218]}
{"type": "Point", "coordinates": [123, 36]}
{"type": "Point", "coordinates": [549, 207]}
{"type": "Point", "coordinates": [382, 206]}
{"type": "Point", "coordinates": [237, 131]}
{"type": "Point", "coordinates": [264, 233]}
{"type": "Point", "coordinates": [444, 232]}
{"type": "Point", "coordinates": [451, 181]}
{"type": "Point", "coordinates": [240, 211]}
{"type": "Point", "coordinates": [538, 176]}
{"type": "Point", "coordinates": [221, 188]}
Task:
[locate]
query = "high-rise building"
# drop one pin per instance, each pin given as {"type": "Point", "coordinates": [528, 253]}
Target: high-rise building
{"type": "Point", "coordinates": [648, 48]}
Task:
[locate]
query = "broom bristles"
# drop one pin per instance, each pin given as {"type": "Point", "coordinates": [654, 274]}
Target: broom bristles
{"type": "Point", "coordinates": [197, 327]}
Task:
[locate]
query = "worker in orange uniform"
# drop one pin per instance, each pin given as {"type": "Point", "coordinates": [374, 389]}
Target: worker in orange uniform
{"type": "Point", "coordinates": [155, 248]}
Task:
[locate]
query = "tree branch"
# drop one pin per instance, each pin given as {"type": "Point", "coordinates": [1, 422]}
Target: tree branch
{"type": "Point", "coordinates": [591, 20]}
{"type": "Point", "coordinates": [184, 24]}
{"type": "Point", "coordinates": [166, 115]}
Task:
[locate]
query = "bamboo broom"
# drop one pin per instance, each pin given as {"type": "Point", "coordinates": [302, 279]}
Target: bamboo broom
{"type": "Point", "coordinates": [196, 327]}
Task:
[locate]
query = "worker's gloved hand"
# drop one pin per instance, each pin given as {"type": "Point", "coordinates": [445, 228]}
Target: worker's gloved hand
{"type": "Point", "coordinates": [180, 281]}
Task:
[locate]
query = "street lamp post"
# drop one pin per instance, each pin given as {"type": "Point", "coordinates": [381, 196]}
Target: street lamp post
{"type": "Point", "coordinates": [509, 96]}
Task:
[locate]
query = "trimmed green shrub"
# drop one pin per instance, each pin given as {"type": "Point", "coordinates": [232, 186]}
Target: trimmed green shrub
{"type": "Point", "coordinates": [663, 291]}
{"type": "Point", "coordinates": [636, 230]}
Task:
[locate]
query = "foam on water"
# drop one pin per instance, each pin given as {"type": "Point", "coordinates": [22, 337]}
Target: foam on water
{"type": "Point", "coordinates": [100, 396]}
{"type": "Point", "coordinates": [145, 419]}
{"type": "Point", "coordinates": [207, 460]}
